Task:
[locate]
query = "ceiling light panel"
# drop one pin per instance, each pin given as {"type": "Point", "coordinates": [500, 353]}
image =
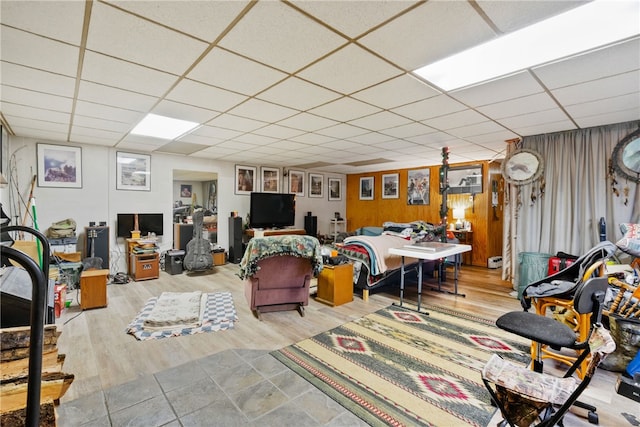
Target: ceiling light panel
{"type": "Point", "coordinates": [163, 127]}
{"type": "Point", "coordinates": [295, 44]}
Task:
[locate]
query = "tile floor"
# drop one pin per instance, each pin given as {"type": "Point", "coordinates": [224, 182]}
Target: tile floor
{"type": "Point", "coordinates": [231, 388]}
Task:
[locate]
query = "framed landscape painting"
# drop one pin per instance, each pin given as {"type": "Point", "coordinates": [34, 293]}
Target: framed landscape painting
{"type": "Point", "coordinates": [133, 171]}
{"type": "Point", "coordinates": [390, 186]}
{"type": "Point", "coordinates": [59, 166]}
{"type": "Point", "coordinates": [366, 188]}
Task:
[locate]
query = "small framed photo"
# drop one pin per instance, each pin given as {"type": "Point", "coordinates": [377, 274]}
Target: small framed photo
{"type": "Point", "coordinates": [418, 187]}
{"type": "Point", "coordinates": [335, 189]}
{"type": "Point", "coordinates": [316, 185]}
{"type": "Point", "coordinates": [390, 186]}
{"type": "Point", "coordinates": [270, 180]}
{"type": "Point", "coordinates": [185, 190]}
{"type": "Point", "coordinates": [59, 166]}
{"type": "Point", "coordinates": [296, 182]}
{"type": "Point", "coordinates": [133, 171]}
{"type": "Point", "coordinates": [366, 188]}
{"type": "Point", "coordinates": [245, 179]}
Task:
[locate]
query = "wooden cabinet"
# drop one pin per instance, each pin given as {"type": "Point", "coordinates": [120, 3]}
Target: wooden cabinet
{"type": "Point", "coordinates": [93, 288]}
{"type": "Point", "coordinates": [335, 284]}
{"type": "Point", "coordinates": [466, 238]}
{"type": "Point", "coordinates": [145, 266]}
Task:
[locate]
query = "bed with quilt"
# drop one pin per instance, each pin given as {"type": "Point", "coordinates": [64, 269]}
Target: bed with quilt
{"type": "Point", "coordinates": [368, 251]}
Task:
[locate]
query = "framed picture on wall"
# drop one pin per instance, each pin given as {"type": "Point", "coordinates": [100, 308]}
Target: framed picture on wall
{"type": "Point", "coordinates": [418, 187]}
{"type": "Point", "coordinates": [335, 189]}
{"type": "Point", "coordinates": [133, 171]}
{"type": "Point", "coordinates": [316, 185]}
{"type": "Point", "coordinates": [59, 166]}
{"type": "Point", "coordinates": [270, 179]}
{"type": "Point", "coordinates": [366, 188]}
{"type": "Point", "coordinates": [465, 179]}
{"type": "Point", "coordinates": [185, 190]}
{"type": "Point", "coordinates": [390, 186]}
{"type": "Point", "coordinates": [296, 182]}
{"type": "Point", "coordinates": [245, 179]}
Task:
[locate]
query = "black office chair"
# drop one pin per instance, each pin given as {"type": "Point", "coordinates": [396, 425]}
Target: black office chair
{"type": "Point", "coordinates": [522, 394]}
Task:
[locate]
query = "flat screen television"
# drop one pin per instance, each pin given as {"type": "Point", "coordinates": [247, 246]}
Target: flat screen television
{"type": "Point", "coordinates": [272, 210]}
{"type": "Point", "coordinates": [147, 223]}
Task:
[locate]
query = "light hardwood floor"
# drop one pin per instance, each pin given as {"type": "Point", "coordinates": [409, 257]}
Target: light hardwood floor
{"type": "Point", "coordinates": [101, 355]}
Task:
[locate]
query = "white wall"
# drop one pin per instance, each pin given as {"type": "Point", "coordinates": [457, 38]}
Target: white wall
{"type": "Point", "coordinates": [98, 200]}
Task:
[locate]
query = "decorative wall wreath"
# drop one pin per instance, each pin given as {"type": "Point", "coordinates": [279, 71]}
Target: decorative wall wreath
{"type": "Point", "coordinates": [522, 167]}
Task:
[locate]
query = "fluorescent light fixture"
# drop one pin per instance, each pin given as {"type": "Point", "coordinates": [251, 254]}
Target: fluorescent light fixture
{"type": "Point", "coordinates": [584, 28]}
{"type": "Point", "coordinates": [163, 127]}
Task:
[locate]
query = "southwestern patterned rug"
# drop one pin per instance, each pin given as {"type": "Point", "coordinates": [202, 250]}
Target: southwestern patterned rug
{"type": "Point", "coordinates": [398, 367]}
{"type": "Point", "coordinates": [218, 314]}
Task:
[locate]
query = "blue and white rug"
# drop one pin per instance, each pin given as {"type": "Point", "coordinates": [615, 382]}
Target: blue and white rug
{"type": "Point", "coordinates": [219, 314]}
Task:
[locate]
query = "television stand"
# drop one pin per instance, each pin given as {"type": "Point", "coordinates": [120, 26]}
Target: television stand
{"type": "Point", "coordinates": [274, 232]}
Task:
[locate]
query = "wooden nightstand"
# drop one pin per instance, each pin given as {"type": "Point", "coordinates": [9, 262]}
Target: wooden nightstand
{"type": "Point", "coordinates": [335, 284]}
{"type": "Point", "coordinates": [93, 288]}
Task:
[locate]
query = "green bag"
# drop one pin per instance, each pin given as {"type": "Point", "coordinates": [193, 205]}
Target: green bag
{"type": "Point", "coordinates": [60, 229]}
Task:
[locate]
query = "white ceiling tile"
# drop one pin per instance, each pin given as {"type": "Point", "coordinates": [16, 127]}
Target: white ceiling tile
{"type": "Point", "coordinates": [201, 140]}
{"type": "Point", "coordinates": [97, 133]}
{"type": "Point", "coordinates": [216, 132]}
{"type": "Point", "coordinates": [299, 94]}
{"type": "Point", "coordinates": [370, 138]}
{"type": "Point", "coordinates": [92, 140]}
{"type": "Point", "coordinates": [125, 75]}
{"type": "Point", "coordinates": [491, 139]}
{"type": "Point", "coordinates": [616, 103]}
{"type": "Point", "coordinates": [141, 143]}
{"type": "Point", "coordinates": [202, 19]}
{"type": "Point", "coordinates": [205, 96]}
{"type": "Point", "coordinates": [342, 130]}
{"type": "Point", "coordinates": [591, 66]}
{"type": "Point", "coordinates": [341, 144]}
{"type": "Point", "coordinates": [177, 110]}
{"type": "Point", "coordinates": [36, 80]}
{"type": "Point", "coordinates": [262, 110]}
{"type": "Point", "coordinates": [430, 32]}
{"type": "Point", "coordinates": [297, 41]}
{"type": "Point", "coordinates": [313, 138]}
{"type": "Point", "coordinates": [433, 107]}
{"type": "Point", "coordinates": [115, 97]}
{"type": "Point", "coordinates": [344, 109]}
{"type": "Point", "coordinates": [560, 126]}
{"type": "Point", "coordinates": [534, 118]}
{"type": "Point", "coordinates": [92, 109]}
{"type": "Point", "coordinates": [349, 69]}
{"type": "Point", "coordinates": [381, 120]}
{"type": "Point", "coordinates": [288, 145]}
{"type": "Point", "coordinates": [237, 123]}
{"type": "Point", "coordinates": [411, 129]}
{"type": "Point", "coordinates": [96, 123]}
{"type": "Point", "coordinates": [112, 31]}
{"type": "Point", "coordinates": [307, 122]}
{"type": "Point", "coordinates": [43, 132]}
{"type": "Point", "coordinates": [59, 20]}
{"type": "Point", "coordinates": [37, 124]}
{"type": "Point", "coordinates": [457, 119]}
{"type": "Point", "coordinates": [180, 147]}
{"type": "Point", "coordinates": [316, 149]}
{"type": "Point", "coordinates": [397, 91]}
{"type": "Point", "coordinates": [279, 132]}
{"type": "Point", "coordinates": [43, 54]}
{"type": "Point", "coordinates": [476, 129]}
{"type": "Point", "coordinates": [396, 144]}
{"type": "Point", "coordinates": [17, 110]}
{"type": "Point", "coordinates": [513, 15]}
{"type": "Point", "coordinates": [510, 87]}
{"type": "Point", "coordinates": [519, 106]}
{"type": "Point", "coordinates": [36, 99]}
{"type": "Point", "coordinates": [608, 118]}
{"type": "Point", "coordinates": [430, 139]}
{"type": "Point", "coordinates": [353, 18]}
{"type": "Point", "coordinates": [608, 87]}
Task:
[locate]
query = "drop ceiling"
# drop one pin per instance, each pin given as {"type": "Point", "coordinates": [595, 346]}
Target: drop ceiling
{"type": "Point", "coordinates": [325, 85]}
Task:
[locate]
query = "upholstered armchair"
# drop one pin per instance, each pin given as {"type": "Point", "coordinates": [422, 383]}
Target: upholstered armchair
{"type": "Point", "coordinates": [277, 272]}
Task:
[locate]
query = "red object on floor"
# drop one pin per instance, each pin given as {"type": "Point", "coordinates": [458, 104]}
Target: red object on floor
{"type": "Point", "coordinates": [59, 298]}
{"type": "Point", "coordinates": [556, 264]}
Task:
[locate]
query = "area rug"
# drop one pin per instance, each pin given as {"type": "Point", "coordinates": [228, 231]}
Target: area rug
{"type": "Point", "coordinates": [402, 368]}
{"type": "Point", "coordinates": [219, 313]}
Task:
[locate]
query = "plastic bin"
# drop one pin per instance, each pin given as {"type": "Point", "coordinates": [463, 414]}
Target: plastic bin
{"type": "Point", "coordinates": [533, 267]}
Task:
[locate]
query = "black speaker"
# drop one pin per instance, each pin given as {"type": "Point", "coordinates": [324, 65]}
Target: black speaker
{"type": "Point", "coordinates": [97, 244]}
{"type": "Point", "coordinates": [182, 234]}
{"type": "Point", "coordinates": [173, 261]}
{"type": "Point", "coordinates": [311, 225]}
{"type": "Point", "coordinates": [236, 249]}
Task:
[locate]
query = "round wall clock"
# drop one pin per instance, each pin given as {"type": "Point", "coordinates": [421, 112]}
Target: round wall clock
{"type": "Point", "coordinates": [626, 157]}
{"type": "Point", "coordinates": [522, 167]}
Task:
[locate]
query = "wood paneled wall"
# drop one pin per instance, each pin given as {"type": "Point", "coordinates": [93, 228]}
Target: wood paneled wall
{"type": "Point", "coordinates": [486, 227]}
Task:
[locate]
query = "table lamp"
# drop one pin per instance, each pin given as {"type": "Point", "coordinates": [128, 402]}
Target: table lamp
{"type": "Point", "coordinates": [458, 214]}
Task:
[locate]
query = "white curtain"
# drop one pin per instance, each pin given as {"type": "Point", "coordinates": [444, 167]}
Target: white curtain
{"type": "Point", "coordinates": [577, 193]}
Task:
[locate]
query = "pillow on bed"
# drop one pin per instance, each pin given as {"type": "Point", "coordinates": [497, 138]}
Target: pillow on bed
{"type": "Point", "coordinates": [630, 242]}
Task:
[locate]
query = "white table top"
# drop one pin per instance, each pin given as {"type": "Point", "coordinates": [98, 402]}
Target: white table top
{"type": "Point", "coordinates": [424, 254]}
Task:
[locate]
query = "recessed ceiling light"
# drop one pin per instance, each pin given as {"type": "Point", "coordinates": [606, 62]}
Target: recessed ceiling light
{"type": "Point", "coordinates": [163, 127]}
{"type": "Point", "coordinates": [581, 29]}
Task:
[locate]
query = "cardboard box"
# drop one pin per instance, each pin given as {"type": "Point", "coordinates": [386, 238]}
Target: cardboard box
{"type": "Point", "coordinates": [219, 258]}
{"type": "Point", "coordinates": [627, 387]}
